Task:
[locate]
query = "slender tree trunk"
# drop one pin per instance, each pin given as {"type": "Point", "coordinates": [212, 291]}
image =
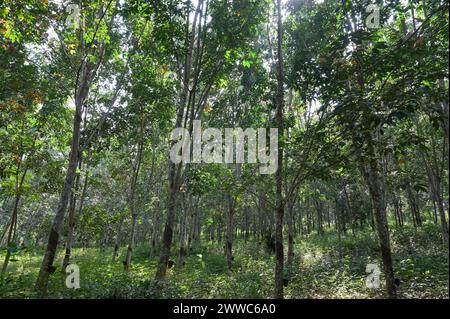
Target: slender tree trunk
{"type": "Point", "coordinates": [279, 266]}
{"type": "Point", "coordinates": [377, 189]}
{"type": "Point", "coordinates": [290, 221]}
{"type": "Point", "coordinates": [400, 211]}
{"type": "Point", "coordinates": [246, 230]}
{"type": "Point", "coordinates": [72, 220]}
{"type": "Point", "coordinates": [435, 181]}
{"type": "Point", "coordinates": [117, 241]}
{"type": "Point", "coordinates": [300, 220]}
{"type": "Point", "coordinates": [318, 206]}
{"type": "Point", "coordinates": [85, 74]}
{"type": "Point", "coordinates": [47, 263]}
{"type": "Point", "coordinates": [130, 247]}
{"type": "Point", "coordinates": [435, 214]}
{"type": "Point", "coordinates": [338, 227]}
{"type": "Point", "coordinates": [413, 206]}
{"type": "Point", "coordinates": [438, 200]}
{"type": "Point", "coordinates": [229, 232]}
{"type": "Point", "coordinates": [396, 213]}
{"type": "Point", "coordinates": [175, 170]}
{"type": "Point", "coordinates": [70, 233]}
{"type": "Point", "coordinates": [219, 235]}
{"type": "Point", "coordinates": [168, 228]}
{"type": "Point", "coordinates": [11, 231]}
{"type": "Point", "coordinates": [18, 194]}
{"type": "Point", "coordinates": [328, 216]}
{"type": "Point", "coordinates": [131, 198]}
{"type": "Point", "coordinates": [73, 216]}
{"type": "Point", "coordinates": [183, 229]}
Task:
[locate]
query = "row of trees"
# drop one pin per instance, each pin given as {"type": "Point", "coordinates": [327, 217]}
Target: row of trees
{"type": "Point", "coordinates": [87, 110]}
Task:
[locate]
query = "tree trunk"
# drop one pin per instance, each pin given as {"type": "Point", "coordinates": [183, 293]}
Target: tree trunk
{"type": "Point", "coordinates": [435, 183]}
{"type": "Point", "coordinates": [318, 206]}
{"type": "Point", "coordinates": [11, 231]}
{"type": "Point", "coordinates": [175, 170]}
{"type": "Point", "coordinates": [377, 190]}
{"type": "Point", "coordinates": [229, 232]}
{"type": "Point", "coordinates": [130, 247]}
{"type": "Point", "coordinates": [413, 206]}
{"type": "Point", "coordinates": [290, 221]}
{"type": "Point", "coordinates": [279, 266]}
{"type": "Point", "coordinates": [117, 241]}
{"type": "Point", "coordinates": [168, 229]}
{"type": "Point", "coordinates": [13, 221]}
{"type": "Point", "coordinates": [131, 201]}
{"type": "Point", "coordinates": [72, 220]}
{"type": "Point", "coordinates": [183, 230]}
{"type": "Point", "coordinates": [70, 234]}
{"type": "Point", "coordinates": [47, 263]}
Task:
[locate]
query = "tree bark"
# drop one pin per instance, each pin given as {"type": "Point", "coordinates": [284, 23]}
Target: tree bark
{"type": "Point", "coordinates": [47, 263]}
{"type": "Point", "coordinates": [435, 183]}
{"type": "Point", "coordinates": [13, 222]}
{"type": "Point", "coordinates": [377, 190]}
{"type": "Point", "coordinates": [85, 75]}
{"type": "Point", "coordinates": [175, 170]}
{"type": "Point", "coordinates": [15, 211]}
{"type": "Point", "coordinates": [117, 241]}
{"type": "Point", "coordinates": [229, 232]}
{"type": "Point", "coordinates": [279, 266]}
{"type": "Point", "coordinates": [183, 231]}
{"type": "Point", "coordinates": [290, 222]}
{"type": "Point", "coordinates": [131, 197]}
{"type": "Point", "coordinates": [71, 220]}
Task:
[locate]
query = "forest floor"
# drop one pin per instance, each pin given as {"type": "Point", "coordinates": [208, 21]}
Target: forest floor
{"type": "Point", "coordinates": [319, 270]}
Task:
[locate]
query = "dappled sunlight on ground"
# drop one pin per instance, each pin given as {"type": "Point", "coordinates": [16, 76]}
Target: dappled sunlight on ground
{"type": "Point", "coordinates": [322, 267]}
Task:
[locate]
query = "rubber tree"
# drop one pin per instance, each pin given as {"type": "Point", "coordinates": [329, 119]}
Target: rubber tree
{"type": "Point", "coordinates": [86, 72]}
